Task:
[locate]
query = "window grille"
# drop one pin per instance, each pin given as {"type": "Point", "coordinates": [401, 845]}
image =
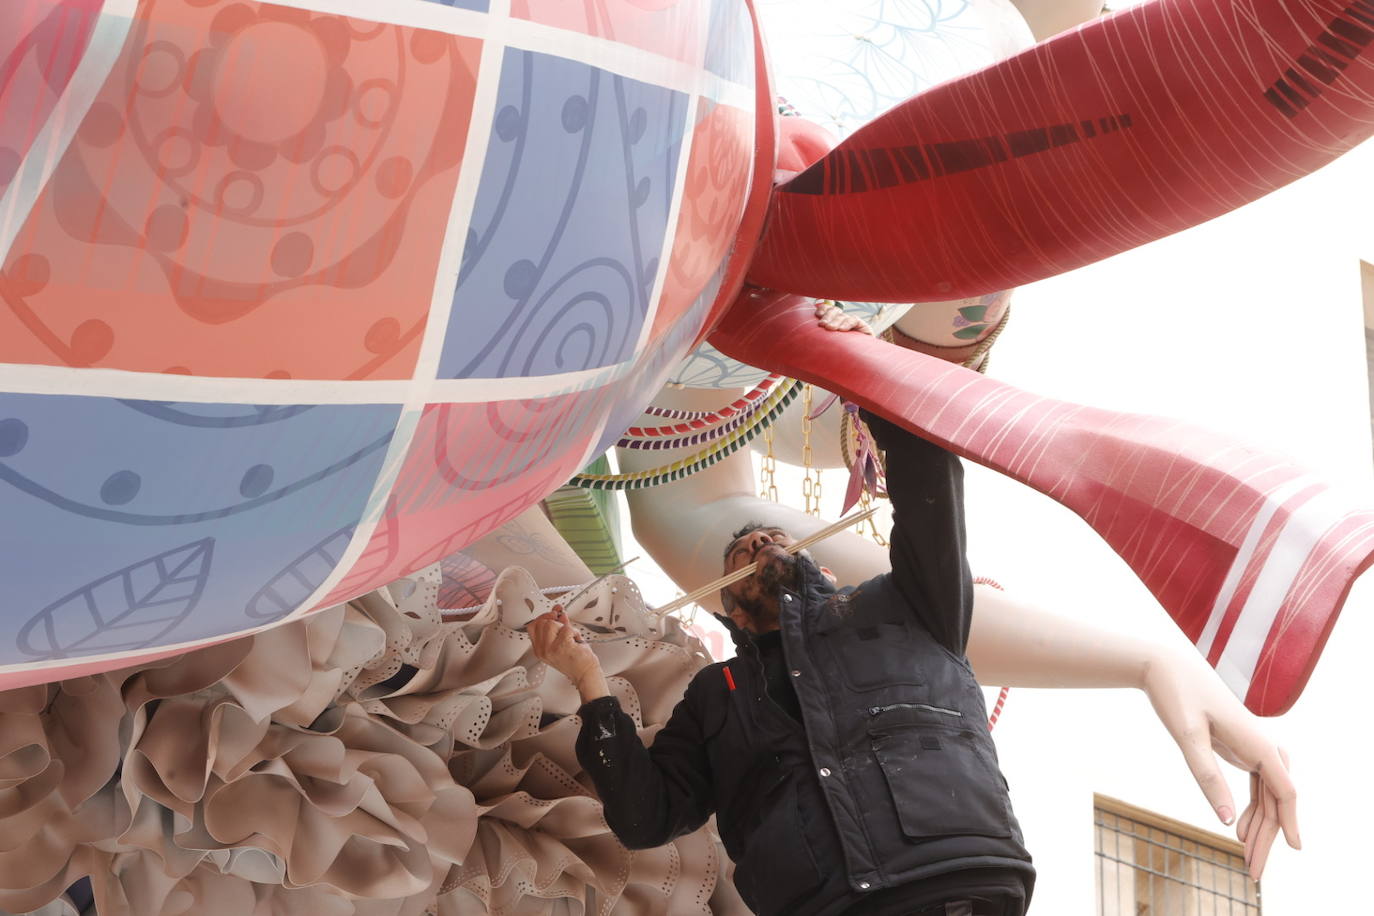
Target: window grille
{"type": "Point", "coordinates": [1148, 865]}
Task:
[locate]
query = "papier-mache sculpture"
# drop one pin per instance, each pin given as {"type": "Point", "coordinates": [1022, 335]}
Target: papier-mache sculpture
{"type": "Point", "coordinates": [297, 300]}
{"type": "Point", "coordinates": [326, 341]}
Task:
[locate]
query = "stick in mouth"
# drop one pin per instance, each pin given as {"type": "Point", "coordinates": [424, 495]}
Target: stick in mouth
{"type": "Point", "coordinates": [746, 571]}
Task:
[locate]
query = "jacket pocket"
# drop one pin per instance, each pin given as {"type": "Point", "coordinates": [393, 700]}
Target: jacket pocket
{"type": "Point", "coordinates": [778, 869]}
{"type": "Point", "coordinates": [876, 656]}
{"type": "Point", "coordinates": [943, 780]}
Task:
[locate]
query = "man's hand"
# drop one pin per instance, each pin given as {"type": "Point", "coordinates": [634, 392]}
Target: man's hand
{"type": "Point", "coordinates": [1207, 720]}
{"type": "Point", "coordinates": [557, 644]}
{"type": "Point", "coordinates": [834, 318]}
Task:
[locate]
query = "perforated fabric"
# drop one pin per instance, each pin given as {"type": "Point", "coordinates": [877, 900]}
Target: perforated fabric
{"type": "Point", "coordinates": [372, 758]}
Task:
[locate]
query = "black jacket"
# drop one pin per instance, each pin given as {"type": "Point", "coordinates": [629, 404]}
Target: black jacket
{"type": "Point", "coordinates": [893, 778]}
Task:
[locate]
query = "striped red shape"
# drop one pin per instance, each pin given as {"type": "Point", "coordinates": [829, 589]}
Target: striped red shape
{"type": "Point", "coordinates": [1127, 129]}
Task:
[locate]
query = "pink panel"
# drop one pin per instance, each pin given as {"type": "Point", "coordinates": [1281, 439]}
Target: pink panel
{"type": "Point", "coordinates": [250, 179]}
{"type": "Point", "coordinates": [673, 28]}
{"type": "Point", "coordinates": [470, 469]}
{"type": "Point", "coordinates": [41, 44]}
{"type": "Point", "coordinates": [718, 172]}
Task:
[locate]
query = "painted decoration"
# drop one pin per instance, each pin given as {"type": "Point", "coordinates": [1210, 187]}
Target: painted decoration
{"type": "Point", "coordinates": [296, 300]}
{"type": "Point", "coordinates": [841, 65]}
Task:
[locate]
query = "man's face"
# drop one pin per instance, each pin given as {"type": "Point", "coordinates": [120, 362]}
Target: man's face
{"type": "Point", "coordinates": [757, 595]}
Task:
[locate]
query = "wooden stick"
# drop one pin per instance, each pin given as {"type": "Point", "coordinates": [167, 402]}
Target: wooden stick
{"type": "Point", "coordinates": [745, 571]}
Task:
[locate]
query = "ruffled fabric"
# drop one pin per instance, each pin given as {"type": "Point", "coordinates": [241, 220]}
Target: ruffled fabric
{"type": "Point", "coordinates": [388, 757]}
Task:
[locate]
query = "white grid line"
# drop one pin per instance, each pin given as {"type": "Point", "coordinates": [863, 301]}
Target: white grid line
{"type": "Point", "coordinates": [50, 144]}
{"type": "Point", "coordinates": [422, 387]}
{"type": "Point", "coordinates": [684, 161]}
{"type": "Point", "coordinates": [196, 389]}
{"type": "Point", "coordinates": [613, 56]}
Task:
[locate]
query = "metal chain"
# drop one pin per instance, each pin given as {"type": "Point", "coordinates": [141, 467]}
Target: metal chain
{"type": "Point", "coordinates": [768, 486]}
{"type": "Point", "coordinates": [868, 526]}
{"type": "Point", "coordinates": [688, 615]}
{"type": "Point", "coordinates": [811, 479]}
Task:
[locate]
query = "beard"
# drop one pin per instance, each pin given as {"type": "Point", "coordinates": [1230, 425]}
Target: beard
{"type": "Point", "coordinates": [781, 572]}
{"type": "Point", "coordinates": [761, 602]}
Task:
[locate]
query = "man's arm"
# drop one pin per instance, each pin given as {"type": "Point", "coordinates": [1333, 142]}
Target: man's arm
{"type": "Point", "coordinates": [650, 796]}
{"type": "Point", "coordinates": [926, 486]}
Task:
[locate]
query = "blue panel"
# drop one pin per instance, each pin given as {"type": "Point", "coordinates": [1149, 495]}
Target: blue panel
{"type": "Point", "coordinates": [568, 226]}
{"type": "Point", "coordinates": [730, 42]}
{"type": "Point", "coordinates": [132, 524]}
{"type": "Point", "coordinates": [479, 5]}
{"type": "Point", "coordinates": [663, 356]}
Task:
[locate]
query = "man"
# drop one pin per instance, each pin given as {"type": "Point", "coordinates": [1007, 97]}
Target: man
{"type": "Point", "coordinates": [845, 751]}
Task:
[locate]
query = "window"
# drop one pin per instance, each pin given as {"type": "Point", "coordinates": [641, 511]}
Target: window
{"type": "Point", "coordinates": [1148, 865]}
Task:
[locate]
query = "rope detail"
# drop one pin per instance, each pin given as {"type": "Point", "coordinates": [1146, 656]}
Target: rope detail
{"type": "Point", "coordinates": [697, 438]}
{"type": "Point", "coordinates": [700, 419]}
{"type": "Point", "coordinates": [777, 402]}
{"type": "Point", "coordinates": [1002, 695]}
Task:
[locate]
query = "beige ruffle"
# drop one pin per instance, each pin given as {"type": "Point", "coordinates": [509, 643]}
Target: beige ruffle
{"type": "Point", "coordinates": [387, 757]}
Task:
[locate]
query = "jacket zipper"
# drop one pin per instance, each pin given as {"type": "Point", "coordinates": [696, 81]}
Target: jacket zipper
{"type": "Point", "coordinates": [752, 653]}
{"type": "Point", "coordinates": [879, 710]}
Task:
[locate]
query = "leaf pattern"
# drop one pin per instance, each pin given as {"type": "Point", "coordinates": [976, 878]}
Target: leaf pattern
{"type": "Point", "coordinates": [466, 582]}
{"type": "Point", "coordinates": [288, 589]}
{"type": "Point", "coordinates": [132, 608]}
{"type": "Point", "coordinates": [377, 556]}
